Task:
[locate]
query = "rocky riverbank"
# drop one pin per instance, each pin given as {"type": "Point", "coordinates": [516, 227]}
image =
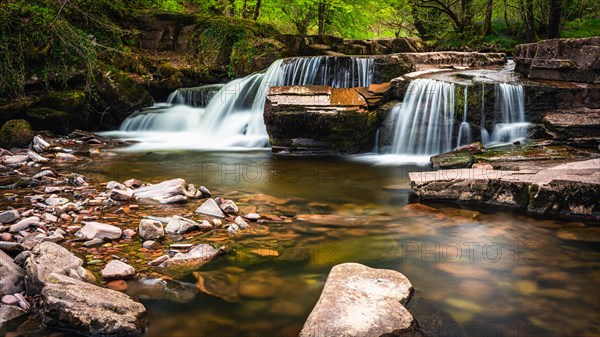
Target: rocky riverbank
{"type": "Point", "coordinates": [61, 243]}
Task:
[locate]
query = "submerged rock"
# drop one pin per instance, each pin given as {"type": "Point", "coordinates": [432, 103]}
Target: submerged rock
{"type": "Point", "coordinates": [185, 263]}
{"type": "Point", "coordinates": [162, 290]}
{"type": "Point", "coordinates": [89, 309]}
{"type": "Point", "coordinates": [47, 258]}
{"type": "Point", "coordinates": [9, 312]}
{"type": "Point", "coordinates": [361, 301]}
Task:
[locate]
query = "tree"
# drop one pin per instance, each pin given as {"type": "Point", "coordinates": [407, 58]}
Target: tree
{"type": "Point", "coordinates": [554, 19]}
{"type": "Point", "coordinates": [487, 25]}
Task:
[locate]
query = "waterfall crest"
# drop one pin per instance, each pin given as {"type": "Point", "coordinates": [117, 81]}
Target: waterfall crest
{"type": "Point", "coordinates": [230, 116]}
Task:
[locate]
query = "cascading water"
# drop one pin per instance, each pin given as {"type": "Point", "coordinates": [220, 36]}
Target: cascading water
{"type": "Point", "coordinates": [425, 119]}
{"type": "Point", "coordinates": [485, 135]}
{"type": "Point", "coordinates": [231, 116]}
{"type": "Point", "coordinates": [464, 131]}
{"type": "Point", "coordinates": [510, 103]}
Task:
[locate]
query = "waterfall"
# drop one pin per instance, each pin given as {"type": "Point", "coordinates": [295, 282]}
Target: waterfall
{"type": "Point", "coordinates": [485, 135]}
{"type": "Point", "coordinates": [337, 72]}
{"type": "Point", "coordinates": [195, 96]}
{"type": "Point", "coordinates": [464, 131]}
{"type": "Point", "coordinates": [510, 103]}
{"type": "Point", "coordinates": [425, 118]}
{"type": "Point", "coordinates": [231, 115]}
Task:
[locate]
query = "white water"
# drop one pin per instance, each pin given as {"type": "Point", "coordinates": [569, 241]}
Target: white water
{"type": "Point", "coordinates": [510, 103]}
{"type": "Point", "coordinates": [464, 131]}
{"type": "Point", "coordinates": [425, 119]}
{"type": "Point", "coordinates": [230, 116]}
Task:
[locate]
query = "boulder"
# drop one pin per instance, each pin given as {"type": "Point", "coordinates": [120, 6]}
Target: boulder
{"type": "Point", "coordinates": [9, 312]}
{"type": "Point", "coordinates": [117, 269]}
{"type": "Point", "coordinates": [573, 123]}
{"type": "Point", "coordinates": [574, 60]}
{"type": "Point", "coordinates": [361, 301]}
{"type": "Point", "coordinates": [15, 133]}
{"type": "Point", "coordinates": [166, 192]}
{"type": "Point", "coordinates": [210, 208]}
{"type": "Point", "coordinates": [151, 230]}
{"type": "Point", "coordinates": [183, 264]}
{"type": "Point", "coordinates": [181, 225]}
{"type": "Point", "coordinates": [319, 119]}
{"type": "Point", "coordinates": [88, 309]}
{"type": "Point", "coordinates": [12, 276]}
{"type": "Point", "coordinates": [571, 189]}
{"type": "Point", "coordinates": [98, 230]}
{"type": "Point", "coordinates": [47, 258]}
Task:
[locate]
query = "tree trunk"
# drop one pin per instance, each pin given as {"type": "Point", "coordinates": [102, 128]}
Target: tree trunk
{"type": "Point", "coordinates": [487, 25]}
{"type": "Point", "coordinates": [321, 18]}
{"type": "Point", "coordinates": [419, 24]}
{"type": "Point", "coordinates": [530, 21]}
{"type": "Point", "coordinates": [508, 28]}
{"type": "Point", "coordinates": [256, 11]}
{"type": "Point", "coordinates": [554, 19]}
{"type": "Point", "coordinates": [231, 11]}
{"type": "Point", "coordinates": [467, 15]}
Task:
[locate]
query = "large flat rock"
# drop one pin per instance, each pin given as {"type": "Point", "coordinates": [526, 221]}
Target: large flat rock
{"type": "Point", "coordinates": [89, 309]}
{"type": "Point", "coordinates": [361, 301]}
{"type": "Point", "coordinates": [567, 189]}
{"type": "Point", "coordinates": [575, 60]}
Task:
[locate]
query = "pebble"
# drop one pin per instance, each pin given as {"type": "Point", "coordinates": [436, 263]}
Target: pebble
{"type": "Point", "coordinates": [9, 300]}
{"type": "Point", "coordinates": [129, 233]}
{"type": "Point", "coordinates": [117, 269]}
{"type": "Point", "coordinates": [118, 285]}
{"type": "Point", "coordinates": [93, 243]}
{"type": "Point", "coordinates": [6, 237]}
{"type": "Point", "coordinates": [158, 261]}
{"type": "Point", "coordinates": [73, 229]}
{"type": "Point", "coordinates": [151, 244]}
{"type": "Point", "coordinates": [252, 216]}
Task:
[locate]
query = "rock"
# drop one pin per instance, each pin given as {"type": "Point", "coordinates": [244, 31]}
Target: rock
{"type": "Point", "coordinates": [574, 60]}
{"type": "Point", "coordinates": [41, 143]}
{"type": "Point", "coordinates": [117, 285]}
{"type": "Point", "coordinates": [12, 247]}
{"type": "Point", "coordinates": [52, 201]}
{"type": "Point", "coordinates": [16, 160]}
{"type": "Point", "coordinates": [459, 158]}
{"type": "Point", "coordinates": [158, 261]}
{"type": "Point", "coordinates": [319, 119]}
{"type": "Point", "coordinates": [233, 229]}
{"type": "Point", "coordinates": [573, 123]}
{"type": "Point", "coordinates": [97, 230]}
{"type": "Point", "coordinates": [44, 173]}
{"type": "Point", "coordinates": [229, 207]}
{"type": "Point", "coordinates": [23, 224]}
{"type": "Point", "coordinates": [11, 281]}
{"type": "Point", "coordinates": [117, 269]}
{"type": "Point", "coordinates": [129, 233]}
{"type": "Point", "coordinates": [218, 284]}
{"type": "Point", "coordinates": [150, 244]}
{"type": "Point", "coordinates": [210, 208]}
{"type": "Point", "coordinates": [567, 189]}
{"type": "Point", "coordinates": [252, 216]}
{"type": "Point", "coordinates": [584, 234]}
{"type": "Point", "coordinates": [10, 300]}
{"type": "Point", "coordinates": [47, 258]}
{"type": "Point", "coordinates": [162, 290]}
{"type": "Point", "coordinates": [88, 309]}
{"type": "Point", "coordinates": [151, 230]}
{"type": "Point", "coordinates": [185, 263]}
{"type": "Point", "coordinates": [6, 237]}
{"type": "Point", "coordinates": [36, 158]}
{"type": "Point", "coordinates": [361, 301]}
{"type": "Point", "coordinates": [121, 195]}
{"type": "Point", "coordinates": [241, 223]}
{"type": "Point", "coordinates": [205, 192]}
{"type": "Point", "coordinates": [93, 243]}
{"type": "Point", "coordinates": [65, 157]}
{"type": "Point", "coordinates": [180, 225]}
{"type": "Point", "coordinates": [263, 252]}
{"type": "Point", "coordinates": [132, 183]}
{"type": "Point", "coordinates": [166, 192]}
{"type": "Point", "coordinates": [9, 216]}
{"type": "Point", "coordinates": [15, 133]}
{"type": "Point", "coordinates": [83, 274]}
{"type": "Point", "coordinates": [9, 312]}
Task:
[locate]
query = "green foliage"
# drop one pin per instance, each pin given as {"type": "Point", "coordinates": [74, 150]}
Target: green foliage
{"type": "Point", "coordinates": [15, 133]}
{"type": "Point", "coordinates": [582, 28]}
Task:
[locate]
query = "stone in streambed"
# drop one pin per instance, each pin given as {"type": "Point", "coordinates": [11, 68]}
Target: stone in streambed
{"type": "Point", "coordinates": [166, 192]}
{"type": "Point", "coordinates": [361, 301]}
{"type": "Point", "coordinates": [47, 258]}
{"type": "Point", "coordinates": [88, 309]}
{"type": "Point", "coordinates": [183, 264]}
{"type": "Point", "coordinates": [11, 280]}
{"type": "Point", "coordinates": [210, 208]}
{"type": "Point", "coordinates": [117, 269]}
{"type": "Point", "coordinates": [9, 312]}
{"type": "Point", "coordinates": [97, 230]}
{"type": "Point", "coordinates": [151, 230]}
{"type": "Point", "coordinates": [9, 216]}
{"type": "Point", "coordinates": [229, 207]}
{"type": "Point", "coordinates": [23, 224]}
{"type": "Point", "coordinates": [181, 225]}
{"type": "Point", "coordinates": [161, 290]}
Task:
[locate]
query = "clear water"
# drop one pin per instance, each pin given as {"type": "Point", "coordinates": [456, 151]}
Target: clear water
{"type": "Point", "coordinates": [495, 272]}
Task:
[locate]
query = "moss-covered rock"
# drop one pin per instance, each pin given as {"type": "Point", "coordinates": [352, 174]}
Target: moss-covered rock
{"type": "Point", "coordinates": [117, 96]}
{"type": "Point", "coordinates": [15, 133]}
{"type": "Point", "coordinates": [43, 118]}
